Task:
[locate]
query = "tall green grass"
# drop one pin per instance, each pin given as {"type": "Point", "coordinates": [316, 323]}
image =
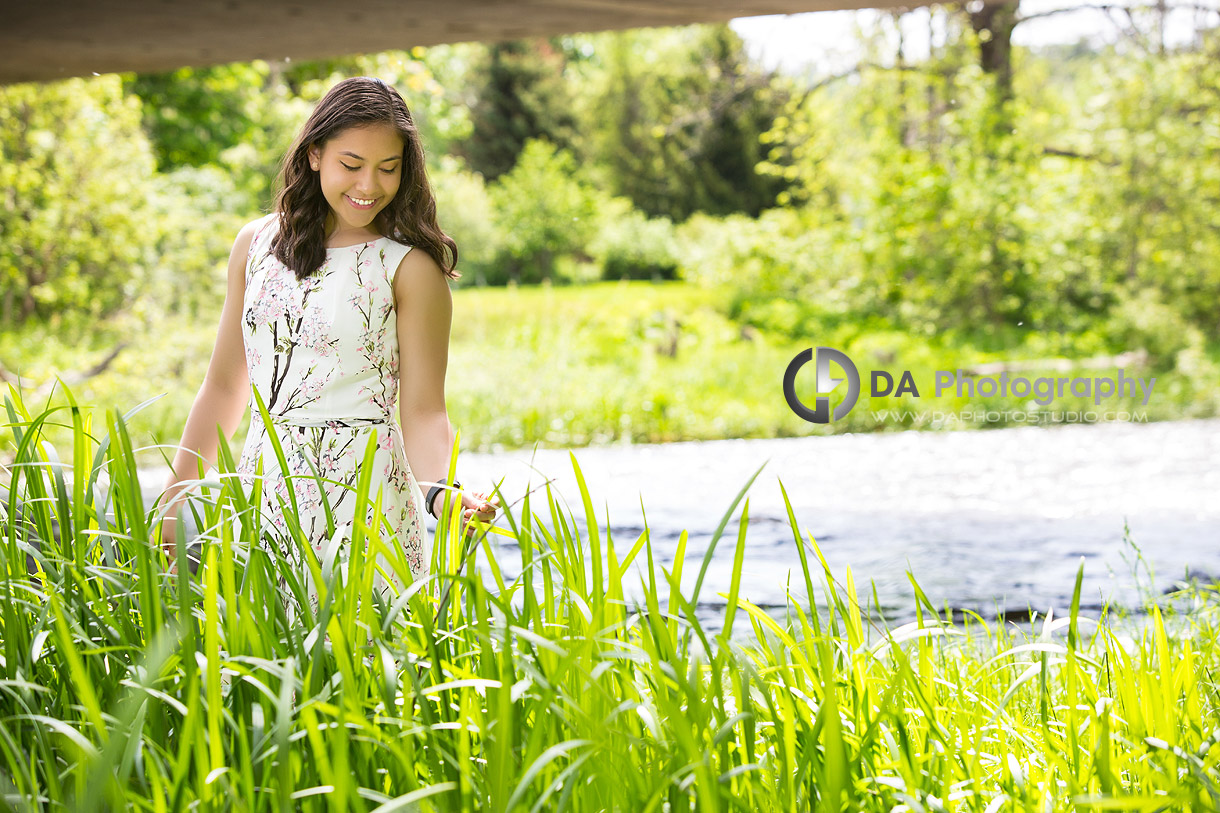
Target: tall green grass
{"type": "Point", "coordinates": [122, 687]}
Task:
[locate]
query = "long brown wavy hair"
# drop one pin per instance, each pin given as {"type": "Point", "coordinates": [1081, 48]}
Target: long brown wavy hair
{"type": "Point", "coordinates": [410, 218]}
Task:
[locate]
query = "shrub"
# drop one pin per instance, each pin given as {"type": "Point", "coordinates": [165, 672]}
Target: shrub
{"type": "Point", "coordinates": [544, 210]}
{"type": "Point", "coordinates": [781, 268]}
{"type": "Point", "coordinates": [630, 245]}
{"type": "Point", "coordinates": [1145, 322]}
{"type": "Point", "coordinates": [466, 213]}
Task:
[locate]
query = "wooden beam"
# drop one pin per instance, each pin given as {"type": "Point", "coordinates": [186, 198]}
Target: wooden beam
{"type": "Point", "coordinates": [56, 39]}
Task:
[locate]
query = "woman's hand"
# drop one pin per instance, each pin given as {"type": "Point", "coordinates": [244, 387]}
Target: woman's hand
{"type": "Point", "coordinates": [475, 504]}
{"type": "Point", "coordinates": [175, 498]}
{"type": "Point", "coordinates": [169, 542]}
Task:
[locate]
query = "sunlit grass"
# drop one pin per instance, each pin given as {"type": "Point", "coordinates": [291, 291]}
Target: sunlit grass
{"type": "Point", "coordinates": [122, 687]}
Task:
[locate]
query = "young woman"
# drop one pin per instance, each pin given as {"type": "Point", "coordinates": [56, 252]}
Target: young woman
{"type": "Point", "coordinates": [337, 300]}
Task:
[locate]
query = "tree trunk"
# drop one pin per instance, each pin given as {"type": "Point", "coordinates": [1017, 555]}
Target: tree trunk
{"type": "Point", "coordinates": [906, 135]}
{"type": "Point", "coordinates": [993, 24]}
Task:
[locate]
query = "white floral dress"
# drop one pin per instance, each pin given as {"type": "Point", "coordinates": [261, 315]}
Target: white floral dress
{"type": "Point", "coordinates": [323, 355]}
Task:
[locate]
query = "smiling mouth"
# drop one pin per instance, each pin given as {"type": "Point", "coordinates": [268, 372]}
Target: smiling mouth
{"type": "Point", "coordinates": [361, 203]}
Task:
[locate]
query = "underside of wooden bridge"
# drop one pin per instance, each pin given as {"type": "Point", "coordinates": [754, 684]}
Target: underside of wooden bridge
{"type": "Point", "coordinates": [55, 39]}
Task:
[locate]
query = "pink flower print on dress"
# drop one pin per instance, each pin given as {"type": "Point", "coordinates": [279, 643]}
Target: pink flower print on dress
{"type": "Point", "coordinates": [293, 307]}
{"type": "Point", "coordinates": [265, 308]}
{"type": "Point", "coordinates": [307, 493]}
{"type": "Point", "coordinates": [316, 383]}
{"type": "Point", "coordinates": [315, 333]}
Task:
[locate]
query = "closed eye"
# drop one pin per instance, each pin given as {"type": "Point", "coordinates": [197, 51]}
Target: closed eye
{"type": "Point", "coordinates": [353, 169]}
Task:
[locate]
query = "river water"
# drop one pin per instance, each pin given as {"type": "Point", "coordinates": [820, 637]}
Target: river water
{"type": "Point", "coordinates": [996, 521]}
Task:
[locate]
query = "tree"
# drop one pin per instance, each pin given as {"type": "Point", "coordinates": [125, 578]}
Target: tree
{"type": "Point", "coordinates": [993, 24]}
{"type": "Point", "coordinates": [193, 114]}
{"type": "Point", "coordinates": [677, 122]}
{"type": "Point", "coordinates": [519, 94]}
{"type": "Point", "coordinates": [74, 170]}
{"type": "Point", "coordinates": [545, 210]}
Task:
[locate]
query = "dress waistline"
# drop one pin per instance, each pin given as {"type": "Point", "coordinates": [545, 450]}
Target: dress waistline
{"type": "Point", "coordinates": [332, 423]}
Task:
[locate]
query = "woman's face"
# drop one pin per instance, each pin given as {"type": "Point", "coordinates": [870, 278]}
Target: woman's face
{"type": "Point", "coordinates": [360, 169]}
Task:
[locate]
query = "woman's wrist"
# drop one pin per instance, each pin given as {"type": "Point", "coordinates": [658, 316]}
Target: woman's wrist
{"type": "Point", "coordinates": [434, 492]}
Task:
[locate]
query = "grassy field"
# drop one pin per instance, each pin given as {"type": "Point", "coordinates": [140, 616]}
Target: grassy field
{"type": "Point", "coordinates": [122, 687]}
{"type": "Point", "coordinates": [624, 362]}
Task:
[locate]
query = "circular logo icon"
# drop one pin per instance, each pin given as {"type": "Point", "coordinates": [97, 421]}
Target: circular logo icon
{"type": "Point", "coordinates": [821, 413]}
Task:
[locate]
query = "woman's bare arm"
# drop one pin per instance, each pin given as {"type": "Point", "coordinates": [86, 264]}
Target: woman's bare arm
{"type": "Point", "coordinates": [225, 391]}
{"type": "Point", "coordinates": [424, 307]}
{"type": "Point", "coordinates": [425, 312]}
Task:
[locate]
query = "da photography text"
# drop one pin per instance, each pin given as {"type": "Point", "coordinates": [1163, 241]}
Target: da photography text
{"type": "Point", "coordinates": [1041, 390]}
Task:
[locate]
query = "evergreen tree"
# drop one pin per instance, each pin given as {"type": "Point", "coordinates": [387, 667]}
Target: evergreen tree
{"type": "Point", "coordinates": [680, 119]}
{"type": "Point", "coordinates": [519, 94]}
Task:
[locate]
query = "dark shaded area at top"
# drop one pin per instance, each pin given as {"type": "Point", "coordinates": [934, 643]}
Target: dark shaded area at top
{"type": "Point", "coordinates": [47, 41]}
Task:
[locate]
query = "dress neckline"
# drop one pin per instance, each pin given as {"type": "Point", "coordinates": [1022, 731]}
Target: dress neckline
{"type": "Point", "coordinates": [357, 245]}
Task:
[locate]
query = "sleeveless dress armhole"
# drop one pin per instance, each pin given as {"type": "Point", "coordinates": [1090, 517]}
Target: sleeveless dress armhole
{"type": "Point", "coordinates": [261, 242]}
{"type": "Point", "coordinates": [394, 252]}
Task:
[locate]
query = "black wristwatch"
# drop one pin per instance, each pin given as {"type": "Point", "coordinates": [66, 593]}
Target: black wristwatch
{"type": "Point", "coordinates": [432, 492]}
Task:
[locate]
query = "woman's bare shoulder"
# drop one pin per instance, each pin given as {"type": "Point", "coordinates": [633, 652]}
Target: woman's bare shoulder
{"type": "Point", "coordinates": [420, 275]}
{"type": "Point", "coordinates": [417, 261]}
{"type": "Point", "coordinates": [239, 256]}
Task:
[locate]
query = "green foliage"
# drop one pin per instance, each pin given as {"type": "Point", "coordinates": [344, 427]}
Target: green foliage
{"type": "Point", "coordinates": [625, 362]}
{"type": "Point", "coordinates": [1151, 325]}
{"type": "Point", "coordinates": [464, 206]}
{"type": "Point", "coordinates": [937, 209]}
{"type": "Point", "coordinates": [631, 245]}
{"type": "Point", "coordinates": [787, 271]}
{"type": "Point", "coordinates": [243, 117]}
{"type": "Point", "coordinates": [237, 118]}
{"type": "Point", "coordinates": [193, 114]}
{"type": "Point", "coordinates": [75, 170]}
{"type": "Point", "coordinates": [674, 119]}
{"type": "Point", "coordinates": [197, 212]}
{"type": "Point", "coordinates": [1151, 177]}
{"type": "Point", "coordinates": [519, 95]}
{"type": "Point", "coordinates": [544, 209]}
{"type": "Point", "coordinates": [564, 670]}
